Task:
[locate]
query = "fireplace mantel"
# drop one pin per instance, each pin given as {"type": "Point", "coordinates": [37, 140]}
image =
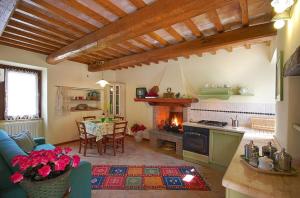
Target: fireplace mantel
{"type": "Point", "coordinates": [184, 102]}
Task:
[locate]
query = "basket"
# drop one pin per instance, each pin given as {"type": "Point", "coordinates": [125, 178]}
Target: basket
{"type": "Point", "coordinates": [51, 188]}
{"type": "Point", "coordinates": [261, 123]}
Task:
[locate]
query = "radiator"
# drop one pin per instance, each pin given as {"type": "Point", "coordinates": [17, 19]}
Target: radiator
{"type": "Point", "coordinates": [35, 127]}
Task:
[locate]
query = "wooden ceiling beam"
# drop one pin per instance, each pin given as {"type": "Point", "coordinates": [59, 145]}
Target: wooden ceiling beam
{"type": "Point", "coordinates": [26, 41]}
{"type": "Point", "coordinates": [87, 11]}
{"type": "Point", "coordinates": [158, 38]}
{"type": "Point", "coordinates": [111, 7]}
{"type": "Point", "coordinates": [138, 3]}
{"type": "Point", "coordinates": [7, 8]}
{"type": "Point", "coordinates": [214, 18]}
{"type": "Point", "coordinates": [244, 11]}
{"type": "Point", "coordinates": [123, 49]}
{"type": "Point", "coordinates": [118, 51]}
{"type": "Point", "coordinates": [43, 26]}
{"type": "Point", "coordinates": [135, 48]}
{"type": "Point", "coordinates": [157, 15]}
{"type": "Point", "coordinates": [258, 33]}
{"type": "Point", "coordinates": [174, 34]}
{"type": "Point", "coordinates": [192, 26]}
{"type": "Point", "coordinates": [25, 45]}
{"type": "Point", "coordinates": [144, 42]}
{"type": "Point", "coordinates": [35, 11]}
{"type": "Point", "coordinates": [22, 47]}
{"type": "Point", "coordinates": [61, 13]}
{"type": "Point", "coordinates": [29, 35]}
{"type": "Point", "coordinates": [27, 28]}
{"type": "Point", "coordinates": [29, 41]}
{"type": "Point", "coordinates": [103, 55]}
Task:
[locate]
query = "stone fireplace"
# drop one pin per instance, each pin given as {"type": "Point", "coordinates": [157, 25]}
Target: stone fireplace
{"type": "Point", "coordinates": [167, 126]}
{"type": "Point", "coordinates": [168, 116]}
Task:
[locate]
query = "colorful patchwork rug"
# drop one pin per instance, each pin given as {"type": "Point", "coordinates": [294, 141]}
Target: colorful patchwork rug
{"type": "Point", "coordinates": [147, 178]}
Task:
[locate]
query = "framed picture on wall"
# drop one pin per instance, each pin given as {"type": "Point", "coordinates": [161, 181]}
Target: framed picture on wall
{"type": "Point", "coordinates": [279, 77]}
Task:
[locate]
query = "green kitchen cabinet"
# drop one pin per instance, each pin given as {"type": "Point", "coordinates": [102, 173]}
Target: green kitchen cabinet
{"type": "Point", "coordinates": [222, 147]}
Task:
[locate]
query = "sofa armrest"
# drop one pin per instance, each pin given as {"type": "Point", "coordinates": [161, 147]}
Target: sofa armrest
{"type": "Point", "coordinates": [80, 180]}
{"type": "Point", "coordinates": [39, 140]}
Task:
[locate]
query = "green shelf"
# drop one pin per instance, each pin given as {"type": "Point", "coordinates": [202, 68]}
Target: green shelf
{"type": "Point", "coordinates": [217, 93]}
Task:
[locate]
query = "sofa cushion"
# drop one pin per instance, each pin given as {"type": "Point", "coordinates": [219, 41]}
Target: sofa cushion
{"type": "Point", "coordinates": [44, 147]}
{"type": "Point", "coordinates": [24, 140]}
{"type": "Point", "coordinates": [14, 191]}
{"type": "Point", "coordinates": [9, 149]}
{"type": "Point", "coordinates": [4, 175]}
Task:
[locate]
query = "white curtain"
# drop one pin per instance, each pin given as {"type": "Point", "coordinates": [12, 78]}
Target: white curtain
{"type": "Point", "coordinates": [22, 96]}
{"type": "Point", "coordinates": [62, 103]}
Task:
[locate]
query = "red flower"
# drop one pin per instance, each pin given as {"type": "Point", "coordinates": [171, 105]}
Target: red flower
{"type": "Point", "coordinates": [60, 165]}
{"type": "Point", "coordinates": [44, 171]}
{"type": "Point", "coordinates": [68, 150]}
{"type": "Point", "coordinates": [50, 155]}
{"type": "Point", "coordinates": [23, 165]}
{"type": "Point", "coordinates": [57, 150]}
{"type": "Point", "coordinates": [76, 160]}
{"type": "Point", "coordinates": [16, 177]}
{"type": "Point", "coordinates": [17, 159]}
{"type": "Point", "coordinates": [136, 128]}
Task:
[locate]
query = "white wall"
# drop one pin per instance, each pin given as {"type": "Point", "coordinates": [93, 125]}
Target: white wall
{"type": "Point", "coordinates": [57, 128]}
{"type": "Point", "coordinates": [242, 67]}
{"type": "Point", "coordinates": [288, 40]}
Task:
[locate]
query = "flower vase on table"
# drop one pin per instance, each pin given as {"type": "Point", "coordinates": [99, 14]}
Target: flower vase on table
{"type": "Point", "coordinates": [137, 130]}
{"type": "Point", "coordinates": [45, 173]}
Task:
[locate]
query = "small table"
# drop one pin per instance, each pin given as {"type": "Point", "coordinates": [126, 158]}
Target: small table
{"type": "Point", "coordinates": [99, 129]}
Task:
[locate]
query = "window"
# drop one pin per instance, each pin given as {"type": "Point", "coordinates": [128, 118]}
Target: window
{"type": "Point", "coordinates": [22, 98]}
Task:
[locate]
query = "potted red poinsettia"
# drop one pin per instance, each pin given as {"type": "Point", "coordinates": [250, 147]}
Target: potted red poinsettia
{"type": "Point", "coordinates": [137, 130]}
{"type": "Point", "coordinates": [44, 173]}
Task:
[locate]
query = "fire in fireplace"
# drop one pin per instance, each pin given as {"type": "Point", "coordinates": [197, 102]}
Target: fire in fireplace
{"type": "Point", "coordinates": [170, 119]}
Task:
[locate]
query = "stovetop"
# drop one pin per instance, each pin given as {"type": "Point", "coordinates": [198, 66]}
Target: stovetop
{"type": "Point", "coordinates": [212, 123]}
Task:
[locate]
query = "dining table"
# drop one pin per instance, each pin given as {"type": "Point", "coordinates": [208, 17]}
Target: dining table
{"type": "Point", "coordinates": [99, 128]}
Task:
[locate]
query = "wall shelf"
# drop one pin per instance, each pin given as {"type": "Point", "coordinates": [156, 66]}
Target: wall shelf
{"type": "Point", "coordinates": [76, 110]}
{"type": "Point", "coordinates": [186, 102]}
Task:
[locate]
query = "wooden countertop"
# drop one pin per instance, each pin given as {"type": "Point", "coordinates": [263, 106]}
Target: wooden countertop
{"type": "Point", "coordinates": [240, 178]}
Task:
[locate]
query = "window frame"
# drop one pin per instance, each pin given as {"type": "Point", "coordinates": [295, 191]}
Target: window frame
{"type": "Point", "coordinates": [3, 93]}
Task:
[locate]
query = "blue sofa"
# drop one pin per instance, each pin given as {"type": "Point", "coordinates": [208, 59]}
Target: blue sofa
{"type": "Point", "coordinates": [80, 177]}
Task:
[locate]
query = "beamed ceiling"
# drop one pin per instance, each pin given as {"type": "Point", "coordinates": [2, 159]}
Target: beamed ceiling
{"type": "Point", "coordinates": [117, 34]}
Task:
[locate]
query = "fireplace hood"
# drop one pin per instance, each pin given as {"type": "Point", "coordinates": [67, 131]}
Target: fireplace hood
{"type": "Point", "coordinates": [292, 66]}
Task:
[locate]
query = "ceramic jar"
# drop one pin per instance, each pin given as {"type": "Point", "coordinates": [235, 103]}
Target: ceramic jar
{"type": "Point", "coordinates": [283, 161]}
{"type": "Point", "coordinates": [269, 151]}
{"type": "Point", "coordinates": [265, 163]}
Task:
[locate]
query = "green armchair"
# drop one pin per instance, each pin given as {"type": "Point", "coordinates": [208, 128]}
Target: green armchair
{"type": "Point", "coordinates": [79, 179]}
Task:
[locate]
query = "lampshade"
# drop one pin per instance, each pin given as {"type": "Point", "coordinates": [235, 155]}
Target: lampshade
{"type": "Point", "coordinates": [102, 83]}
{"type": "Point", "coordinates": [280, 19]}
{"type": "Point", "coordinates": [281, 5]}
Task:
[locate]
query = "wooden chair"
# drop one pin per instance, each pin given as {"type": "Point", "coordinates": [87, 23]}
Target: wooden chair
{"type": "Point", "coordinates": [86, 138]}
{"type": "Point", "coordinates": [117, 138]}
{"type": "Point", "coordinates": [89, 118]}
{"type": "Point", "coordinates": [121, 118]}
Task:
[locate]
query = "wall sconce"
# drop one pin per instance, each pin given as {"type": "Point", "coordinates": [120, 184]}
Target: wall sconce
{"type": "Point", "coordinates": [281, 5]}
{"type": "Point", "coordinates": [279, 19]}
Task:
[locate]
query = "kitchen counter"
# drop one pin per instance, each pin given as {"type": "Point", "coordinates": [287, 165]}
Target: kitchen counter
{"type": "Point", "coordinates": [241, 179]}
{"type": "Point", "coordinates": [249, 183]}
{"type": "Point", "coordinates": [226, 128]}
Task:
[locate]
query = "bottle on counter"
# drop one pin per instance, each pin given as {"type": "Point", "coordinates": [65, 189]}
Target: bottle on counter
{"type": "Point", "coordinates": [269, 151]}
{"type": "Point", "coordinates": [283, 161]}
{"type": "Point", "coordinates": [249, 148]}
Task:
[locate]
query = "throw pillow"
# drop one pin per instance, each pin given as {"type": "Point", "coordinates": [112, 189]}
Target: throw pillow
{"type": "Point", "coordinates": [24, 141]}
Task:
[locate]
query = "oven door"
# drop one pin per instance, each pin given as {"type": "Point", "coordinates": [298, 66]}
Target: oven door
{"type": "Point", "coordinates": [196, 141]}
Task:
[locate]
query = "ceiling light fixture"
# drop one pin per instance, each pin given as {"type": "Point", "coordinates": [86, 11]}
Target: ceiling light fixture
{"type": "Point", "coordinates": [279, 19]}
{"type": "Point", "coordinates": [281, 5]}
{"type": "Point", "coordinates": [102, 82]}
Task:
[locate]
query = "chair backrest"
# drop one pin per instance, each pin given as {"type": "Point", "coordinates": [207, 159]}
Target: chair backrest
{"type": "Point", "coordinates": [120, 127]}
{"type": "Point", "coordinates": [119, 117]}
{"type": "Point", "coordinates": [81, 128]}
{"type": "Point", "coordinates": [89, 118]}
